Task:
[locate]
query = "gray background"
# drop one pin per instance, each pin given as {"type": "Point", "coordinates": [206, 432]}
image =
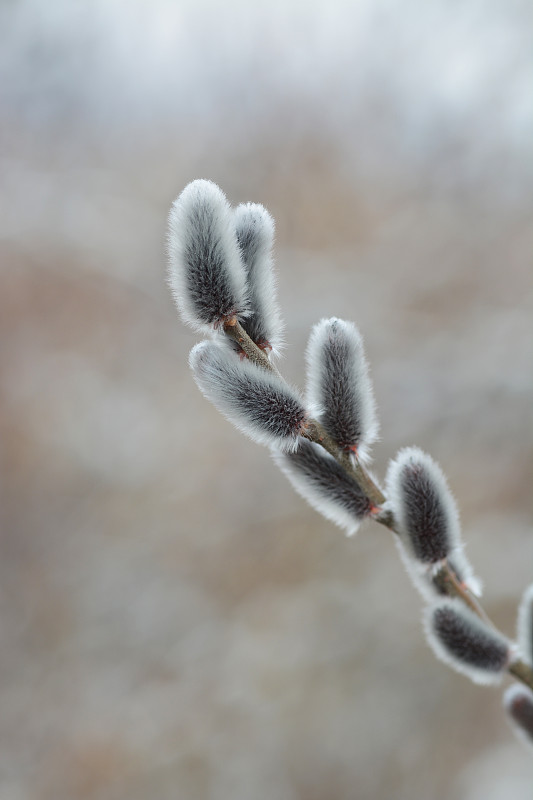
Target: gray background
{"type": "Point", "coordinates": [174, 621]}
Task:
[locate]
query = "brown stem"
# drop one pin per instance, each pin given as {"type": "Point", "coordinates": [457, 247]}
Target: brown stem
{"type": "Point", "coordinates": [522, 671]}
{"type": "Point", "coordinates": [372, 491]}
{"type": "Point", "coordinates": [446, 577]}
{"type": "Point", "coordinates": [447, 580]}
{"type": "Point", "coordinates": [234, 330]}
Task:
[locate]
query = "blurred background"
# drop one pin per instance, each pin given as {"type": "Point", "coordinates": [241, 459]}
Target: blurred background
{"type": "Point", "coordinates": [174, 621]}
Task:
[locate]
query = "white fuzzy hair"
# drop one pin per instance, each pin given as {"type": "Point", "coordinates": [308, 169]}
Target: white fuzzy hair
{"type": "Point", "coordinates": [206, 273]}
{"type": "Point", "coordinates": [525, 625]}
{"type": "Point", "coordinates": [257, 402]}
{"type": "Point", "coordinates": [255, 234]}
{"type": "Point", "coordinates": [319, 479]}
{"type": "Point", "coordinates": [339, 390]}
{"type": "Point", "coordinates": [472, 647]}
{"type": "Point", "coordinates": [440, 535]}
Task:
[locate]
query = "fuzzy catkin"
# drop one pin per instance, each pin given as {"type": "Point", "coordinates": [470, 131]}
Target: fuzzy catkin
{"type": "Point", "coordinates": [423, 506]}
{"type": "Point", "coordinates": [254, 228]}
{"type": "Point", "coordinates": [206, 273]}
{"type": "Point", "coordinates": [463, 641]}
{"type": "Point", "coordinates": [257, 402]}
{"type": "Point", "coordinates": [339, 390]}
{"type": "Point", "coordinates": [326, 486]}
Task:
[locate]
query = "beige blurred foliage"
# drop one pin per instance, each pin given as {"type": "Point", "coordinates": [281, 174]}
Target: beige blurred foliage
{"type": "Point", "coordinates": [174, 621]}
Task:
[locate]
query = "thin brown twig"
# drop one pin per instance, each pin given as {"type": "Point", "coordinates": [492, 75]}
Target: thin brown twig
{"type": "Point", "coordinates": [521, 671]}
{"type": "Point", "coordinates": [448, 581]}
{"type": "Point", "coordinates": [234, 330]}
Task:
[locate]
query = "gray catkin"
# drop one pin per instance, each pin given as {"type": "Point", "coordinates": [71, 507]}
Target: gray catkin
{"type": "Point", "coordinates": [339, 391]}
{"type": "Point", "coordinates": [463, 641]}
{"type": "Point", "coordinates": [326, 486]}
{"type": "Point", "coordinates": [258, 402]}
{"type": "Point", "coordinates": [206, 273]}
{"type": "Point", "coordinates": [254, 228]}
{"type": "Point", "coordinates": [423, 506]}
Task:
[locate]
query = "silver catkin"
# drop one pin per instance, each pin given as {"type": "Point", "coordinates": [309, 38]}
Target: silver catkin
{"type": "Point", "coordinates": [254, 228]}
{"type": "Point", "coordinates": [206, 273]}
{"type": "Point", "coordinates": [258, 402]}
{"type": "Point", "coordinates": [463, 641]}
{"type": "Point", "coordinates": [423, 506]}
{"type": "Point", "coordinates": [339, 390]}
{"type": "Point", "coordinates": [326, 486]}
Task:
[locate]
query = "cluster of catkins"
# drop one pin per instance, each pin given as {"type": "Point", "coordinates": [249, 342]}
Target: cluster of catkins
{"type": "Point", "coordinates": [221, 275]}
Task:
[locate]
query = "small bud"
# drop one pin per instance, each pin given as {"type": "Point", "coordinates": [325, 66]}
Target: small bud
{"type": "Point", "coordinates": [206, 273]}
{"type": "Point", "coordinates": [258, 402]}
{"type": "Point", "coordinates": [525, 625]}
{"type": "Point", "coordinates": [463, 641]}
{"type": "Point", "coordinates": [339, 391]}
{"type": "Point", "coordinates": [518, 702]}
{"type": "Point", "coordinates": [320, 480]}
{"type": "Point", "coordinates": [255, 234]}
{"type": "Point", "coordinates": [423, 506]}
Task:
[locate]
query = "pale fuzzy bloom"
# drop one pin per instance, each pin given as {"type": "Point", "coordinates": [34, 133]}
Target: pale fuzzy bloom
{"type": "Point", "coordinates": [255, 234]}
{"type": "Point", "coordinates": [525, 625]}
{"type": "Point", "coordinates": [320, 480]}
{"type": "Point", "coordinates": [257, 402]}
{"type": "Point", "coordinates": [423, 506]}
{"type": "Point", "coordinates": [424, 576]}
{"type": "Point", "coordinates": [206, 273]}
{"type": "Point", "coordinates": [339, 391]}
{"type": "Point", "coordinates": [464, 642]}
{"type": "Point", "coordinates": [518, 702]}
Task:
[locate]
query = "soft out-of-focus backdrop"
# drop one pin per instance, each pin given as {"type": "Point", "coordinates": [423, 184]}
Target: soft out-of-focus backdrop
{"type": "Point", "coordinates": [174, 620]}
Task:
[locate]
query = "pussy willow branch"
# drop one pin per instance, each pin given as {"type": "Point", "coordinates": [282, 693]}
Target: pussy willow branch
{"type": "Point", "coordinates": [446, 577]}
{"type": "Point", "coordinates": [314, 432]}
